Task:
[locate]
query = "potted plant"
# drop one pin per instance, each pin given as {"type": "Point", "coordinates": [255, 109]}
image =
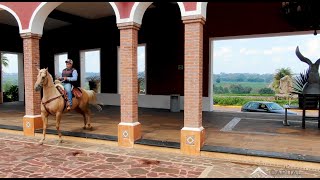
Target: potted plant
{"type": "Point", "coordinates": [94, 82]}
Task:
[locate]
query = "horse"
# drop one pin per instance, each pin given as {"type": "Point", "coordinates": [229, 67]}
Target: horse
{"type": "Point", "coordinates": [53, 102]}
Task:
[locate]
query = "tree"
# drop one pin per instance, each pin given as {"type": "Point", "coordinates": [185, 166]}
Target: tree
{"type": "Point", "coordinates": [266, 91]}
{"type": "Point", "coordinates": [280, 73]}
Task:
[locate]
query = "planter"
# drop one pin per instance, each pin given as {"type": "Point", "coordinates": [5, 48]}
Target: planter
{"type": "Point", "coordinates": [311, 101]}
{"type": "Point", "coordinates": [93, 85]}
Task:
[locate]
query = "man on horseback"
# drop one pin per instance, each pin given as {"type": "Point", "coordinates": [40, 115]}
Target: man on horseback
{"type": "Point", "coordinates": [69, 77]}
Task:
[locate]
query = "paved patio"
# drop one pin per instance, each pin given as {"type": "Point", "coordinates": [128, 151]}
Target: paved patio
{"type": "Point", "coordinates": [231, 132]}
{"type": "Point", "coordinates": [21, 157]}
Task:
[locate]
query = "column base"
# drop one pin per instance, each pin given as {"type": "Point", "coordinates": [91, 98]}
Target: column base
{"type": "Point", "coordinates": [192, 139]}
{"type": "Point", "coordinates": [128, 133]}
{"type": "Point", "coordinates": [31, 123]}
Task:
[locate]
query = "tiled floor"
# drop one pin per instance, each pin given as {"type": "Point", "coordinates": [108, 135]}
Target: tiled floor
{"type": "Point", "coordinates": [22, 157]}
{"type": "Point", "coordinates": [254, 131]}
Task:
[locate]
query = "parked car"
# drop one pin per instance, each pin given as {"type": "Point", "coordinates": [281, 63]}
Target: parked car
{"type": "Point", "coordinates": [264, 106]}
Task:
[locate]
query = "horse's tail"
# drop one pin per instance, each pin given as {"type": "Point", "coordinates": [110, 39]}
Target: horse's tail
{"type": "Point", "coordinates": [93, 99]}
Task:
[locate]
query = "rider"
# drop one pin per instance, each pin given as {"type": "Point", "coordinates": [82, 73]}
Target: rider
{"type": "Point", "coordinates": [69, 77]}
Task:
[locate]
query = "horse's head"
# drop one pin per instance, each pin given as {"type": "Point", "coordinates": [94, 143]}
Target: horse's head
{"type": "Point", "coordinates": [42, 79]}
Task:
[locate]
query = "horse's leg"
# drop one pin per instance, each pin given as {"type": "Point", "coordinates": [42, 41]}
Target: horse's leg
{"type": "Point", "coordinates": [84, 117]}
{"type": "Point", "coordinates": [88, 116]}
{"type": "Point", "coordinates": [44, 125]}
{"type": "Point", "coordinates": [58, 119]}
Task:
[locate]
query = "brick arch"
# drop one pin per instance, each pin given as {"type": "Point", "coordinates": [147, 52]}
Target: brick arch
{"type": "Point", "coordinates": [139, 8]}
{"type": "Point", "coordinates": [13, 14]}
{"type": "Point", "coordinates": [41, 13]}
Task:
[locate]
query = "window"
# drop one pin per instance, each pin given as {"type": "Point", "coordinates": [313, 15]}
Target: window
{"type": "Point", "coordinates": [59, 63]}
{"type": "Point", "coordinates": [142, 69]}
{"type": "Point", "coordinates": [9, 70]}
{"type": "Point", "coordinates": [90, 69]}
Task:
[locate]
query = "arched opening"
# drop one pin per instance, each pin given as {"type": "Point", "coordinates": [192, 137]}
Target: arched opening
{"type": "Point", "coordinates": [11, 66]}
{"type": "Point", "coordinates": [162, 35]}
{"type": "Point", "coordinates": [87, 33]}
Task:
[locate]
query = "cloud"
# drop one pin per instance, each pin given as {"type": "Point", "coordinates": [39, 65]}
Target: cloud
{"type": "Point", "coordinates": [224, 52]}
{"type": "Point", "coordinates": [246, 51]}
{"type": "Point", "coordinates": [279, 50]}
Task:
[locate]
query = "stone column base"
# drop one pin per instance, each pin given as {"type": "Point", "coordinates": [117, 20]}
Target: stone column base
{"type": "Point", "coordinates": [128, 133]}
{"type": "Point", "coordinates": [1, 97]}
{"type": "Point", "coordinates": [31, 123]}
{"type": "Point", "coordinates": [192, 139]}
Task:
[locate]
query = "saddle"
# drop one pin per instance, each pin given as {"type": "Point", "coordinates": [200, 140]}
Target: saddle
{"type": "Point", "coordinates": [76, 92]}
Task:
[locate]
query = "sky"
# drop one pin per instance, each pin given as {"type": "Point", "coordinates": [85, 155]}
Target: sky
{"type": "Point", "coordinates": [265, 54]}
{"type": "Point", "coordinates": [13, 63]}
{"type": "Point", "coordinates": [251, 55]}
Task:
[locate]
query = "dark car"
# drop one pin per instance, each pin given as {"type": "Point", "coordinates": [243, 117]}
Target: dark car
{"type": "Point", "coordinates": [263, 106]}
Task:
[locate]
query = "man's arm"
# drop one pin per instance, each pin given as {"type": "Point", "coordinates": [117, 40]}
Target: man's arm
{"type": "Point", "coordinates": [74, 76]}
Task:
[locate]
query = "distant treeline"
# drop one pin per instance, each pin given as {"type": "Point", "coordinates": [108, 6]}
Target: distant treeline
{"type": "Point", "coordinates": [242, 77]}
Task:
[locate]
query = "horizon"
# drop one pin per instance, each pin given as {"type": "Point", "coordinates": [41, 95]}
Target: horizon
{"type": "Point", "coordinates": [264, 55]}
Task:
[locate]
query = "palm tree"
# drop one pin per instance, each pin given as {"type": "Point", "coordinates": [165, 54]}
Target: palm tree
{"type": "Point", "coordinates": [280, 73]}
{"type": "Point", "coordinates": [4, 60]}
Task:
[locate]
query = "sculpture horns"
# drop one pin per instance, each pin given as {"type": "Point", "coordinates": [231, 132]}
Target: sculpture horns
{"type": "Point", "coordinates": [302, 58]}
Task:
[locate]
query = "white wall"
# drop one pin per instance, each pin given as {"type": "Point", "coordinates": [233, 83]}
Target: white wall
{"type": "Point", "coordinates": [150, 101]}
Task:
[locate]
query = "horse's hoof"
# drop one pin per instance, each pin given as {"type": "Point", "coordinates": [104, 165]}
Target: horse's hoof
{"type": "Point", "coordinates": [60, 141]}
{"type": "Point", "coordinates": [40, 142]}
{"type": "Point", "coordinates": [84, 127]}
{"type": "Point", "coordinates": [90, 128]}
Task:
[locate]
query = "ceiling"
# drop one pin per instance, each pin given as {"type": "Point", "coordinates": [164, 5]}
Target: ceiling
{"type": "Point", "coordinates": [67, 13]}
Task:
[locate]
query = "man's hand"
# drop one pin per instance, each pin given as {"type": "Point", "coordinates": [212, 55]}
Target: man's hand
{"type": "Point", "coordinates": [62, 78]}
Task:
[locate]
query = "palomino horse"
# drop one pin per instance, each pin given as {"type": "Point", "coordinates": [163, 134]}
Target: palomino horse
{"type": "Point", "coordinates": [53, 103]}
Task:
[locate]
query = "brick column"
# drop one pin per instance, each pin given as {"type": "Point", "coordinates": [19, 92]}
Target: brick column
{"type": "Point", "coordinates": [193, 134]}
{"type": "Point", "coordinates": [32, 120]}
{"type": "Point", "coordinates": [129, 129]}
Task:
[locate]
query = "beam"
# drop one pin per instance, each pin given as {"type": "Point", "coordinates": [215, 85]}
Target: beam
{"type": "Point", "coordinates": [66, 17]}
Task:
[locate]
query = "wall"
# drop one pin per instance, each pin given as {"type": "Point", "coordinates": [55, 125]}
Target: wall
{"type": "Point", "coordinates": [101, 33]}
{"type": "Point", "coordinates": [10, 40]}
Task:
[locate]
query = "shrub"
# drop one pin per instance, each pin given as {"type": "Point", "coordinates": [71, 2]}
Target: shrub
{"type": "Point", "coordinates": [11, 94]}
{"type": "Point", "coordinates": [266, 91]}
{"type": "Point", "coordinates": [238, 89]}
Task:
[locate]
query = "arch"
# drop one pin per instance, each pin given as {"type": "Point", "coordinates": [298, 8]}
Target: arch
{"type": "Point", "coordinates": [13, 14]}
{"type": "Point", "coordinates": [139, 8]}
{"type": "Point", "coordinates": [201, 10]}
{"type": "Point", "coordinates": [41, 13]}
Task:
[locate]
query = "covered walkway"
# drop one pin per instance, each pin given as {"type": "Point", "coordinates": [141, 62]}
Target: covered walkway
{"type": "Point", "coordinates": [230, 132]}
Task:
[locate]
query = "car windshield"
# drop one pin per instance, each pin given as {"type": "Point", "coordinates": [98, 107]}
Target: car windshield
{"type": "Point", "coordinates": [275, 106]}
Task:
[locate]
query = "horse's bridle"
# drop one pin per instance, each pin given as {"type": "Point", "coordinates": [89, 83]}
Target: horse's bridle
{"type": "Point", "coordinates": [50, 100]}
